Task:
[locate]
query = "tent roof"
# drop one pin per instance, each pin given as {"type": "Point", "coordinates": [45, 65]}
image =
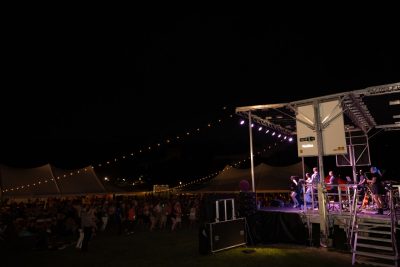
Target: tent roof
{"type": "Point", "coordinates": [47, 180]}
{"type": "Point", "coordinates": [267, 178]}
{"type": "Point", "coordinates": [26, 182]}
{"type": "Point", "coordinates": [81, 181]}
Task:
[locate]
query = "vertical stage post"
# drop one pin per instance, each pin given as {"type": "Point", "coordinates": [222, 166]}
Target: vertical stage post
{"type": "Point", "coordinates": [251, 155]}
{"type": "Point", "coordinates": [324, 229]}
{"type": "Point", "coordinates": [217, 211]}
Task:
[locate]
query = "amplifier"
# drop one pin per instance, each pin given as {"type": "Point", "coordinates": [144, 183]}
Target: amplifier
{"type": "Point", "coordinates": [226, 234]}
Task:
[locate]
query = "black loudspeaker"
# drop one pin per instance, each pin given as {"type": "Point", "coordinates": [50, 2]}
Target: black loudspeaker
{"type": "Point", "coordinates": [247, 204]}
{"type": "Point", "coordinates": [227, 234]}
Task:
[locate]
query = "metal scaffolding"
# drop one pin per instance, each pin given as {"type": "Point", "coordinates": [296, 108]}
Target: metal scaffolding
{"type": "Point", "coordinates": [364, 110]}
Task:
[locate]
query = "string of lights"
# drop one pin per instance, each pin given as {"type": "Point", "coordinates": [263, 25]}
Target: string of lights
{"type": "Point", "coordinates": [42, 181]}
{"type": "Point", "coordinates": [164, 142]}
{"type": "Point", "coordinates": [213, 175]}
{"type": "Point", "coordinates": [153, 147]}
{"type": "Point", "coordinates": [133, 154]}
{"type": "Point", "coordinates": [273, 132]}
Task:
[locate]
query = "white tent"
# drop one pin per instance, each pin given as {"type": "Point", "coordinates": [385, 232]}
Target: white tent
{"type": "Point", "coordinates": [267, 178]}
{"type": "Point", "coordinates": [48, 181]}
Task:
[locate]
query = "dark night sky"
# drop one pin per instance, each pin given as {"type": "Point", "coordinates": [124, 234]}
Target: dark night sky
{"type": "Point", "coordinates": [79, 92]}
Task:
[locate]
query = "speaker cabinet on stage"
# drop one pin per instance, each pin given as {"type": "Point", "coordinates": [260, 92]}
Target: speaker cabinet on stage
{"type": "Point", "coordinates": [226, 234]}
{"type": "Point", "coordinates": [225, 230]}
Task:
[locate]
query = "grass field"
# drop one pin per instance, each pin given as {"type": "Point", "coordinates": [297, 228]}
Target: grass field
{"type": "Point", "coordinates": [173, 249]}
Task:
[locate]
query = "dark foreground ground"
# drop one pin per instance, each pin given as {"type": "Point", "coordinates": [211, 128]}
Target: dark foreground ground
{"type": "Point", "coordinates": [171, 249]}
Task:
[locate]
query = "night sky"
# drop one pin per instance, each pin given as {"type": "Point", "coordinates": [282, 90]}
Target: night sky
{"type": "Point", "coordinates": [80, 91]}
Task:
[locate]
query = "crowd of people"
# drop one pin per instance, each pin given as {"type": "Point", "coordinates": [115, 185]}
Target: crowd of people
{"type": "Point", "coordinates": [54, 223]}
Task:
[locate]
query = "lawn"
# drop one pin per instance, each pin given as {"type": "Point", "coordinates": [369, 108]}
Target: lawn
{"type": "Point", "coordinates": [173, 249]}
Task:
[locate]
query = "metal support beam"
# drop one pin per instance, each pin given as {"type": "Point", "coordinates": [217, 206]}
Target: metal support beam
{"type": "Point", "coordinates": [265, 123]}
{"type": "Point", "coordinates": [356, 110]}
{"type": "Point", "coordinates": [380, 89]}
{"type": "Point", "coordinates": [352, 158]}
{"type": "Point", "coordinates": [251, 155]}
{"type": "Point", "coordinates": [324, 227]}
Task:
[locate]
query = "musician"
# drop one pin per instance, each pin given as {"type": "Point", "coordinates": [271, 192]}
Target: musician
{"type": "Point", "coordinates": [315, 176]}
{"type": "Point", "coordinates": [333, 181]}
{"type": "Point", "coordinates": [294, 191]}
{"type": "Point", "coordinates": [362, 180]}
{"type": "Point", "coordinates": [363, 189]}
{"type": "Point", "coordinates": [332, 178]}
{"type": "Point", "coordinates": [361, 177]}
{"type": "Point", "coordinates": [377, 189]}
{"type": "Point", "coordinates": [308, 183]}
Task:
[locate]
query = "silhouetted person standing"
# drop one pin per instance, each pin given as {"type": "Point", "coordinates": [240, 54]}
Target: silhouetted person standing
{"type": "Point", "coordinates": [377, 188]}
{"type": "Point", "coordinates": [88, 226]}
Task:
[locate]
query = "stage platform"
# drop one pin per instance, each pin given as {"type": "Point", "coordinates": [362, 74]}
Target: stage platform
{"type": "Point", "coordinates": [333, 214]}
{"type": "Point", "coordinates": [299, 226]}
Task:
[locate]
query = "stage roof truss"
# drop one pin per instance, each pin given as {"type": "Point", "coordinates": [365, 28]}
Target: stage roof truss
{"type": "Point", "coordinates": [266, 122]}
{"type": "Point", "coordinates": [365, 109]}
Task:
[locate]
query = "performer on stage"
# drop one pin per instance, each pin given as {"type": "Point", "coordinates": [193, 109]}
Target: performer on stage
{"type": "Point", "coordinates": [293, 191]}
{"type": "Point", "coordinates": [376, 187]}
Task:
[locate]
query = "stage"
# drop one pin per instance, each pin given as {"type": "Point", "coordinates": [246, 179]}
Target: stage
{"type": "Point", "coordinates": [302, 226]}
{"type": "Point", "coordinates": [333, 212]}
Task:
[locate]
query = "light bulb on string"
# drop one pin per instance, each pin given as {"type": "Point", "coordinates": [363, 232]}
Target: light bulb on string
{"type": "Point", "coordinates": [116, 159]}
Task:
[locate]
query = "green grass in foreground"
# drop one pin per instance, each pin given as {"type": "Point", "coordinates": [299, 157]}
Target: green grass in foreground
{"type": "Point", "coordinates": [173, 249]}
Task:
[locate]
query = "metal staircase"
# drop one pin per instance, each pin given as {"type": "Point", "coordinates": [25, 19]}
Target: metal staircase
{"type": "Point", "coordinates": [375, 241]}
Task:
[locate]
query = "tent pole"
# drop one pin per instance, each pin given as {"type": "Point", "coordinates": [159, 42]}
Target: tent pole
{"type": "Point", "coordinates": [97, 179]}
{"type": "Point", "coordinates": [58, 188]}
{"type": "Point", "coordinates": [251, 155]}
{"type": "Point", "coordinates": [54, 180]}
